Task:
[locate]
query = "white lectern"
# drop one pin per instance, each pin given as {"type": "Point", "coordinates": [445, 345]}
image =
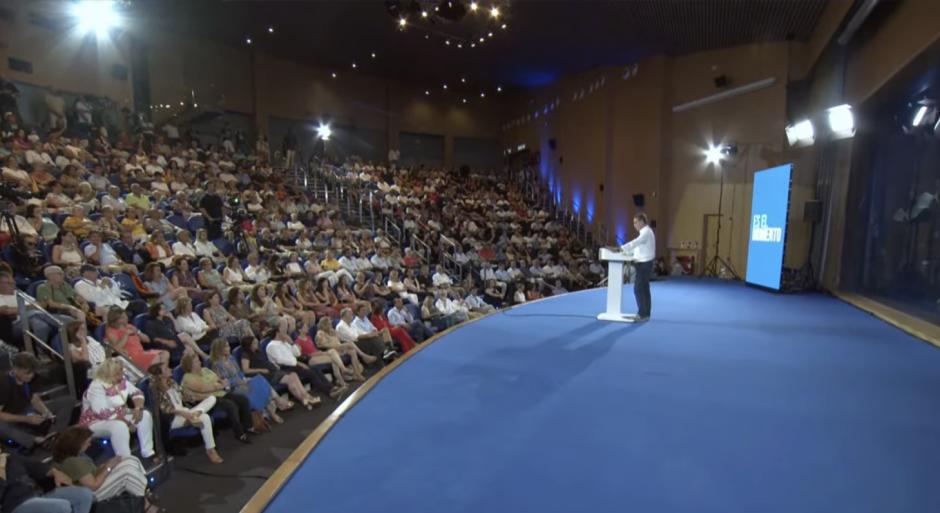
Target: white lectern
{"type": "Point", "coordinates": [615, 261]}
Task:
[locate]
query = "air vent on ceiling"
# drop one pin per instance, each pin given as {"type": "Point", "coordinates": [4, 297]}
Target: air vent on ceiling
{"type": "Point", "coordinates": [20, 65]}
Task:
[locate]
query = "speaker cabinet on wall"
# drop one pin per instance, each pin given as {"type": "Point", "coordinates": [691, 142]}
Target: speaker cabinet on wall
{"type": "Point", "coordinates": [20, 65]}
{"type": "Point", "coordinates": [812, 211]}
{"type": "Point", "coordinates": [639, 200]}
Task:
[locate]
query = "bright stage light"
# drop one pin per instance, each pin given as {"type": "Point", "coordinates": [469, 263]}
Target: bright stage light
{"type": "Point", "coordinates": [494, 12]}
{"type": "Point", "coordinates": [424, 14]}
{"type": "Point", "coordinates": [499, 89]}
{"type": "Point", "coordinates": [919, 117]}
{"type": "Point", "coordinates": [713, 155]}
{"type": "Point", "coordinates": [324, 132]}
{"type": "Point", "coordinates": [96, 16]}
{"type": "Point", "coordinates": [841, 121]}
{"type": "Point", "coordinates": [801, 134]}
{"type": "Point", "coordinates": [402, 22]}
{"type": "Point", "coordinates": [474, 6]}
{"type": "Point", "coordinates": [270, 30]}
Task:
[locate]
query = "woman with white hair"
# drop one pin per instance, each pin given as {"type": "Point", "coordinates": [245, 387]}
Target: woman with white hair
{"type": "Point", "coordinates": [106, 414]}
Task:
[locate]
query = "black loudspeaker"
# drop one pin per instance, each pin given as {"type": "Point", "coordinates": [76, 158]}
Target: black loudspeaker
{"type": "Point", "coordinates": [721, 81]}
{"type": "Point", "coordinates": [812, 211]}
{"type": "Point", "coordinates": [552, 144]}
{"type": "Point", "coordinates": [601, 187]}
{"type": "Point", "coordinates": [639, 200]}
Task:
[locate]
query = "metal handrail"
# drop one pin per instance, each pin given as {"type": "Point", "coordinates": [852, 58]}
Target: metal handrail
{"type": "Point", "coordinates": [425, 254]}
{"type": "Point", "coordinates": [22, 301]}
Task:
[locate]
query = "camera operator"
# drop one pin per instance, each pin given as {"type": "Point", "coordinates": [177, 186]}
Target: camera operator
{"type": "Point", "coordinates": [213, 208]}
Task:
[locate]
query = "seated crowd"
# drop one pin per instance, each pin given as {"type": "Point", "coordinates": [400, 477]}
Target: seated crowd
{"type": "Point", "coordinates": [205, 283]}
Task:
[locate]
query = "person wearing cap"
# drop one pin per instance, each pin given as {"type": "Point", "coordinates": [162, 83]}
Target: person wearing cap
{"type": "Point", "coordinates": [24, 417]}
{"type": "Point", "coordinates": [104, 293]}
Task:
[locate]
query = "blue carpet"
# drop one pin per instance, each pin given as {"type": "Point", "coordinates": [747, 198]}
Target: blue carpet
{"type": "Point", "coordinates": [731, 399]}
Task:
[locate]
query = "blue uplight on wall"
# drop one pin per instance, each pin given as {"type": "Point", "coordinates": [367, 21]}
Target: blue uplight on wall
{"type": "Point", "coordinates": [589, 209]}
{"type": "Point", "coordinates": [621, 234]}
{"type": "Point", "coordinates": [576, 202]}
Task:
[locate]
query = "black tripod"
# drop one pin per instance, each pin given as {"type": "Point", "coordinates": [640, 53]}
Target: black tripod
{"type": "Point", "coordinates": [712, 268]}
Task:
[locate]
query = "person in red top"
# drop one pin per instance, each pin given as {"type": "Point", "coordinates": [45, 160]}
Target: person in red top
{"type": "Point", "coordinates": [379, 320]}
{"type": "Point", "coordinates": [314, 356]}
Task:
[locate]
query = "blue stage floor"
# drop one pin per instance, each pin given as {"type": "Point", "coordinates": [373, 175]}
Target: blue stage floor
{"type": "Point", "coordinates": [731, 399]}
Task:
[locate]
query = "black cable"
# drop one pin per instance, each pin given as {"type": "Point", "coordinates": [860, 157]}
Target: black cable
{"type": "Point", "coordinates": [215, 474]}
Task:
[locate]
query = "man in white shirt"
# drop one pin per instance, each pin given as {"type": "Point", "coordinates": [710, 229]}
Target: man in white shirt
{"type": "Point", "coordinates": [440, 278]}
{"type": "Point", "coordinates": [102, 293]}
{"type": "Point", "coordinates": [643, 249]}
{"type": "Point", "coordinates": [399, 316]}
{"type": "Point", "coordinates": [357, 330]}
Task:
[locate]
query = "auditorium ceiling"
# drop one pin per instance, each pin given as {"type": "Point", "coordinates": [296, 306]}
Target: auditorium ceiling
{"type": "Point", "coordinates": [541, 41]}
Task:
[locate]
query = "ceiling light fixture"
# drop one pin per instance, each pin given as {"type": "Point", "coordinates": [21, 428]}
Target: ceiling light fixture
{"type": "Point", "coordinates": [499, 89]}
{"type": "Point", "coordinates": [503, 27]}
{"type": "Point", "coordinates": [474, 6]}
{"type": "Point", "coordinates": [402, 22]}
{"type": "Point", "coordinates": [373, 55]}
{"type": "Point", "coordinates": [489, 35]}
{"type": "Point", "coordinates": [463, 80]}
{"type": "Point", "coordinates": [482, 95]}
{"type": "Point", "coordinates": [920, 115]}
{"type": "Point", "coordinates": [424, 14]}
{"type": "Point", "coordinates": [464, 100]}
{"type": "Point", "coordinates": [95, 16]}
{"type": "Point", "coordinates": [447, 42]}
{"type": "Point", "coordinates": [270, 30]}
{"type": "Point", "coordinates": [427, 92]}
{"type": "Point", "coordinates": [445, 86]}
{"type": "Point", "coordinates": [494, 12]}
{"type": "Point", "coordinates": [354, 65]}
{"type": "Point", "coordinates": [841, 121]}
{"type": "Point", "coordinates": [459, 45]}
{"type": "Point", "coordinates": [333, 74]}
{"type": "Point", "coordinates": [801, 133]}
{"type": "Point", "coordinates": [713, 155]}
{"type": "Point", "coordinates": [247, 40]}
{"type": "Point", "coordinates": [473, 45]}
{"type": "Point", "coordinates": [481, 39]}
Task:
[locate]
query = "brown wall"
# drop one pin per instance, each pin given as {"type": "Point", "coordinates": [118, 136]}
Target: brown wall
{"type": "Point", "coordinates": [62, 59]}
{"type": "Point", "coordinates": [626, 136]}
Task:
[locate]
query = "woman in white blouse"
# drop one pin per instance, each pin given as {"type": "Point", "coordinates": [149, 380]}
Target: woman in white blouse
{"type": "Point", "coordinates": [189, 322]}
{"type": "Point", "coordinates": [205, 247]}
{"type": "Point", "coordinates": [396, 285]}
{"type": "Point", "coordinates": [169, 396]}
{"type": "Point", "coordinates": [105, 410]}
{"type": "Point", "coordinates": [233, 275]}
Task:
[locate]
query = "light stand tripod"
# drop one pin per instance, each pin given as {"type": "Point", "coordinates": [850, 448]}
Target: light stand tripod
{"type": "Point", "coordinates": [712, 268]}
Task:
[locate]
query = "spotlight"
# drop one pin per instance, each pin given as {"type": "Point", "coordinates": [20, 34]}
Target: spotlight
{"type": "Point", "coordinates": [402, 22]}
{"type": "Point", "coordinates": [503, 26]}
{"type": "Point", "coordinates": [354, 65]}
{"type": "Point", "coordinates": [181, 104]}
{"type": "Point", "coordinates": [489, 35]}
{"type": "Point", "coordinates": [713, 155]}
{"type": "Point", "coordinates": [427, 36]}
{"type": "Point", "coordinates": [447, 42]}
{"type": "Point", "coordinates": [270, 30]}
{"type": "Point", "coordinates": [841, 121]}
{"type": "Point", "coordinates": [499, 89]}
{"type": "Point", "coordinates": [473, 45]}
{"type": "Point", "coordinates": [324, 132]}
{"type": "Point", "coordinates": [482, 95]}
{"type": "Point", "coordinates": [920, 115]}
{"type": "Point", "coordinates": [96, 16]}
{"type": "Point", "coordinates": [464, 100]}
{"type": "Point", "coordinates": [801, 134]}
{"type": "Point", "coordinates": [445, 87]}
{"type": "Point", "coordinates": [463, 80]}
{"type": "Point", "coordinates": [333, 74]}
{"type": "Point", "coordinates": [481, 39]}
{"type": "Point", "coordinates": [248, 40]}
{"type": "Point", "coordinates": [373, 55]}
{"type": "Point", "coordinates": [494, 12]}
{"type": "Point", "coordinates": [427, 92]}
{"type": "Point", "coordinates": [474, 6]}
{"type": "Point", "coordinates": [459, 45]}
{"type": "Point", "coordinates": [424, 14]}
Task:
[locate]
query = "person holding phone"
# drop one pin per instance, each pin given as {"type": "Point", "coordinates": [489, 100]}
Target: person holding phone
{"type": "Point", "coordinates": [24, 417]}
